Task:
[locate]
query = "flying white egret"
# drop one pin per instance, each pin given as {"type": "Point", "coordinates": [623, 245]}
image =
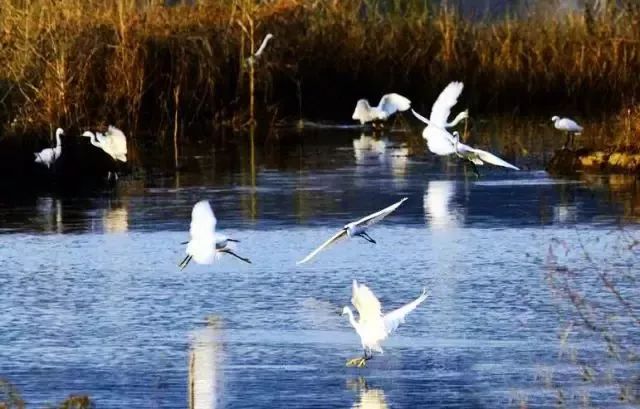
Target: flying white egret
{"type": "Point", "coordinates": [357, 228]}
{"type": "Point", "coordinates": [389, 104]}
{"type": "Point", "coordinates": [49, 155]}
{"type": "Point", "coordinates": [373, 327]}
{"type": "Point", "coordinates": [569, 126]}
{"type": "Point", "coordinates": [206, 246]}
{"type": "Point", "coordinates": [260, 50]}
{"type": "Point", "coordinates": [442, 143]}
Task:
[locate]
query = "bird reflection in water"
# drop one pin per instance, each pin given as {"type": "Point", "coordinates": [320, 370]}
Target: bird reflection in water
{"type": "Point", "coordinates": [369, 398]}
{"type": "Point", "coordinates": [370, 150]}
{"type": "Point", "coordinates": [438, 210]}
{"type": "Point", "coordinates": [205, 366]}
{"type": "Point", "coordinates": [49, 212]}
{"type": "Point", "coordinates": [115, 219]}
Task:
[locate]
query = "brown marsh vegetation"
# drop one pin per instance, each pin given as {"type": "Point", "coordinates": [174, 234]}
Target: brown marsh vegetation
{"type": "Point", "coordinates": [138, 63]}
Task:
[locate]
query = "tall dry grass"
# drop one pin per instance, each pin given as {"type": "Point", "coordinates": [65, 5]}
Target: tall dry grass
{"type": "Point", "coordinates": [139, 64]}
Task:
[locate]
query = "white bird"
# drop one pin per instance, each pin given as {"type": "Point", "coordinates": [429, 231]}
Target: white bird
{"type": "Point", "coordinates": [442, 143]}
{"type": "Point", "coordinates": [477, 156]}
{"type": "Point", "coordinates": [49, 155]}
{"type": "Point", "coordinates": [389, 104]}
{"type": "Point", "coordinates": [373, 327]}
{"type": "Point", "coordinates": [357, 228]}
{"type": "Point", "coordinates": [113, 142]}
{"type": "Point", "coordinates": [569, 126]}
{"type": "Point", "coordinates": [206, 246]}
{"type": "Point", "coordinates": [260, 50]}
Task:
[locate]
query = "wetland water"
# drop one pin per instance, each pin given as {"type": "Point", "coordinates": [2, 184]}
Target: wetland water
{"type": "Point", "coordinates": [93, 301]}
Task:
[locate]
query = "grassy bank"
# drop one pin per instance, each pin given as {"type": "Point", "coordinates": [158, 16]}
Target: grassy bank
{"type": "Point", "coordinates": [88, 62]}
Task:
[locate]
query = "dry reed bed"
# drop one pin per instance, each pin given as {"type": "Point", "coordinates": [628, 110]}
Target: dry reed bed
{"type": "Point", "coordinates": [87, 62]}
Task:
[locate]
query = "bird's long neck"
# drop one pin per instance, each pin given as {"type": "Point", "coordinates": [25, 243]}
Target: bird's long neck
{"type": "Point", "coordinates": [94, 140]}
{"type": "Point", "coordinates": [462, 115]}
{"type": "Point", "coordinates": [352, 320]}
{"type": "Point", "coordinates": [58, 142]}
{"type": "Point", "coordinates": [262, 46]}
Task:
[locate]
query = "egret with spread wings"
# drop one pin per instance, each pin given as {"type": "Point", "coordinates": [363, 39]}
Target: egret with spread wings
{"type": "Point", "coordinates": [389, 104]}
{"type": "Point", "coordinates": [373, 326]}
{"type": "Point", "coordinates": [355, 229]}
{"type": "Point", "coordinates": [206, 246]}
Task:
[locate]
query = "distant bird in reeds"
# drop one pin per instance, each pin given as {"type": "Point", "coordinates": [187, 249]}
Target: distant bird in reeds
{"type": "Point", "coordinates": [206, 245]}
{"type": "Point", "coordinates": [442, 143]}
{"type": "Point", "coordinates": [113, 142]}
{"type": "Point", "coordinates": [373, 327]}
{"type": "Point", "coordinates": [260, 50]}
{"type": "Point", "coordinates": [389, 104]}
{"type": "Point", "coordinates": [569, 126]}
{"type": "Point", "coordinates": [48, 156]}
{"type": "Point", "coordinates": [355, 229]}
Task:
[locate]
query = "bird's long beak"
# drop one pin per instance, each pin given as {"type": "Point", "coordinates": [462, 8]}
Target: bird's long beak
{"type": "Point", "coordinates": [184, 242]}
{"type": "Point", "coordinates": [233, 240]}
{"type": "Point", "coordinates": [184, 262]}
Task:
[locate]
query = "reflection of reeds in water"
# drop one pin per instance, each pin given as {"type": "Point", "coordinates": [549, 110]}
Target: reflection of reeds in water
{"type": "Point", "coordinates": [618, 188]}
{"type": "Point", "coordinates": [205, 361]}
{"type": "Point", "coordinates": [368, 398]}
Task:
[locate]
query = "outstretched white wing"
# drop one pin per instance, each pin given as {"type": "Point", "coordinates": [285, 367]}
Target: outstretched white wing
{"type": "Point", "coordinates": [396, 317]}
{"type": "Point", "coordinates": [439, 141]}
{"type": "Point", "coordinates": [377, 216]}
{"type": "Point", "coordinates": [336, 237]}
{"type": "Point", "coordinates": [366, 303]}
{"type": "Point", "coordinates": [391, 103]}
{"type": "Point", "coordinates": [446, 100]}
{"type": "Point", "coordinates": [493, 159]}
{"type": "Point", "coordinates": [361, 113]}
{"type": "Point", "coordinates": [203, 222]}
{"type": "Point", "coordinates": [117, 142]}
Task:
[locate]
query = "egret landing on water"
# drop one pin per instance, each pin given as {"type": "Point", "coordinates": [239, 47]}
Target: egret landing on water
{"type": "Point", "coordinates": [373, 327]}
{"type": "Point", "coordinates": [206, 246]}
{"type": "Point", "coordinates": [357, 228]}
{"type": "Point", "coordinates": [477, 156]}
{"type": "Point", "coordinates": [113, 142]}
{"type": "Point", "coordinates": [48, 156]}
{"type": "Point", "coordinates": [389, 104]}
{"type": "Point", "coordinates": [569, 126]}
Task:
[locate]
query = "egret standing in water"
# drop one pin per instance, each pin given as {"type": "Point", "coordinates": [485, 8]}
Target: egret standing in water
{"type": "Point", "coordinates": [48, 156]}
{"type": "Point", "coordinates": [113, 142]}
{"type": "Point", "coordinates": [373, 327]}
{"type": "Point", "coordinates": [569, 126]}
{"type": "Point", "coordinates": [389, 104]}
{"type": "Point", "coordinates": [206, 246]}
{"type": "Point", "coordinates": [355, 229]}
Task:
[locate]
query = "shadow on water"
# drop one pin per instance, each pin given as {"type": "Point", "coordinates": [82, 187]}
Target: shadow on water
{"type": "Point", "coordinates": [206, 360]}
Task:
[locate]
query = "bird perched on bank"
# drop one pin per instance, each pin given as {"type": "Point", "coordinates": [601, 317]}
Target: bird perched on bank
{"type": "Point", "coordinates": [373, 327]}
{"type": "Point", "coordinates": [260, 50]}
{"type": "Point", "coordinates": [206, 245]}
{"type": "Point", "coordinates": [48, 156]}
{"type": "Point", "coordinates": [569, 126]}
{"type": "Point", "coordinates": [389, 104]}
{"type": "Point", "coordinates": [355, 229]}
{"type": "Point", "coordinates": [113, 142]}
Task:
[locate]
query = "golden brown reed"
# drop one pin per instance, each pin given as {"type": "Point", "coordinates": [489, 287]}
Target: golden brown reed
{"type": "Point", "coordinates": [134, 63]}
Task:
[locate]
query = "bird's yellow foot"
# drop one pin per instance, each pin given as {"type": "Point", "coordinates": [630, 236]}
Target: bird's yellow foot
{"type": "Point", "coordinates": [360, 362]}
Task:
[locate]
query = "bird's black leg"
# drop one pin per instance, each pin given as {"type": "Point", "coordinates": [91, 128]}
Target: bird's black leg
{"type": "Point", "coordinates": [185, 261]}
{"type": "Point", "coordinates": [474, 168]}
{"type": "Point", "coordinates": [566, 142]}
{"type": "Point", "coordinates": [246, 260]}
{"type": "Point", "coordinates": [234, 240]}
{"type": "Point", "coordinates": [368, 238]}
{"type": "Point", "coordinates": [184, 242]}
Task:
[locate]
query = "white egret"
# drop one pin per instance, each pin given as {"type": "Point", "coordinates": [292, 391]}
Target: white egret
{"type": "Point", "coordinates": [48, 156]}
{"type": "Point", "coordinates": [260, 50]}
{"type": "Point", "coordinates": [373, 327]}
{"type": "Point", "coordinates": [569, 126]}
{"type": "Point", "coordinates": [206, 246]}
{"type": "Point", "coordinates": [389, 104]}
{"type": "Point", "coordinates": [477, 156]}
{"type": "Point", "coordinates": [113, 142]}
{"type": "Point", "coordinates": [442, 143]}
{"type": "Point", "coordinates": [357, 228]}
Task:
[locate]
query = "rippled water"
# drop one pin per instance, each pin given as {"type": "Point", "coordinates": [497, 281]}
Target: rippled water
{"type": "Point", "coordinates": [93, 301]}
